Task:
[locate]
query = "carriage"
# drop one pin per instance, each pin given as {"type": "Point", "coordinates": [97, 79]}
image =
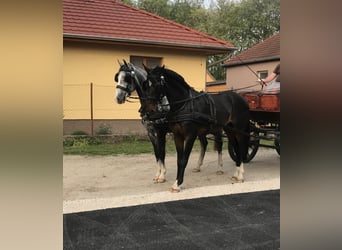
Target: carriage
{"type": "Point", "coordinates": [265, 121]}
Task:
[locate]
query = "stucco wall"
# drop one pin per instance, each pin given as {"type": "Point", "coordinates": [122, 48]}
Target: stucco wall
{"type": "Point", "coordinates": [216, 88]}
{"type": "Point", "coordinates": [118, 127]}
{"type": "Point", "coordinates": [84, 63]}
{"type": "Point", "coordinates": [241, 76]}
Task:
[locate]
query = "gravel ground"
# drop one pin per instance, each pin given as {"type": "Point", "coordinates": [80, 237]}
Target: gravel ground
{"type": "Point", "coordinates": [99, 182]}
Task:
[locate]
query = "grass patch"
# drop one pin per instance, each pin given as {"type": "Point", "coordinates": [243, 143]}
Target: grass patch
{"type": "Point", "coordinates": [129, 146]}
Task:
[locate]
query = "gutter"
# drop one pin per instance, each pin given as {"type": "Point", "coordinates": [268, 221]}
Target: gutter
{"type": "Point", "coordinates": [265, 59]}
{"type": "Point", "coordinates": [147, 42]}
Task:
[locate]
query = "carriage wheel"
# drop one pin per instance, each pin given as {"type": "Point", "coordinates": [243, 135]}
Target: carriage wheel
{"type": "Point", "coordinates": [252, 148]}
{"type": "Point", "coordinates": [277, 144]}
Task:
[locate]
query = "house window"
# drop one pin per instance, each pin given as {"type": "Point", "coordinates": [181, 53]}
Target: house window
{"type": "Point", "coordinates": [262, 74]}
{"type": "Point", "coordinates": [148, 61]}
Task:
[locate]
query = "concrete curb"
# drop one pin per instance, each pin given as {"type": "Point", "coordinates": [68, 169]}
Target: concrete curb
{"type": "Point", "coordinates": [73, 206]}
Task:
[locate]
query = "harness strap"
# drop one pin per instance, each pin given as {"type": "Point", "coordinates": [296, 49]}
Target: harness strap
{"type": "Point", "coordinates": [212, 107]}
{"type": "Point", "coordinates": [124, 89]}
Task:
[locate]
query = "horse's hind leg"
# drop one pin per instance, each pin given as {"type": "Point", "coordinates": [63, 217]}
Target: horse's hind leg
{"type": "Point", "coordinates": [218, 147]}
{"type": "Point", "coordinates": [204, 143]}
{"type": "Point", "coordinates": [242, 139]}
{"type": "Point", "coordinates": [238, 175]}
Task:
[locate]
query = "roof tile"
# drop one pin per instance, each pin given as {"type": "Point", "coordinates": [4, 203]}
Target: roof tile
{"type": "Point", "coordinates": [115, 20]}
{"type": "Point", "coordinates": [263, 51]}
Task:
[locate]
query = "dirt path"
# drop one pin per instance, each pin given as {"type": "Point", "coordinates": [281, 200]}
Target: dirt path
{"type": "Point", "coordinates": [91, 182]}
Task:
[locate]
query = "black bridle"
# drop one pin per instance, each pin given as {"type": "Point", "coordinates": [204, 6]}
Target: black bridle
{"type": "Point", "coordinates": [162, 85]}
{"type": "Point", "coordinates": [134, 80]}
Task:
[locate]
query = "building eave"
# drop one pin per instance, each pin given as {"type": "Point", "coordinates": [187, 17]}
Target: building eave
{"type": "Point", "coordinates": [208, 50]}
{"type": "Point", "coordinates": [259, 60]}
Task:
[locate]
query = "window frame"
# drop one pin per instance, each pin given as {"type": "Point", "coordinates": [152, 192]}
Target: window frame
{"type": "Point", "coordinates": [262, 74]}
{"type": "Point", "coordinates": [148, 61]}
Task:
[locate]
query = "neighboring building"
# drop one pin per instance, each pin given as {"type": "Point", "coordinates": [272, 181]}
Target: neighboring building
{"type": "Point", "coordinates": [98, 33]}
{"type": "Point", "coordinates": [216, 86]}
{"type": "Point", "coordinates": [213, 85]}
{"type": "Point", "coordinates": [262, 58]}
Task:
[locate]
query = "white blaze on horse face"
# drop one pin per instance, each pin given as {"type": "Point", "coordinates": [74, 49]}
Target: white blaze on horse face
{"type": "Point", "coordinates": [120, 93]}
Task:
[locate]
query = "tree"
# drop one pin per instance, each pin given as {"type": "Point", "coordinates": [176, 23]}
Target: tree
{"type": "Point", "coordinates": [158, 7]}
{"type": "Point", "coordinates": [243, 23]}
{"type": "Point", "coordinates": [246, 23]}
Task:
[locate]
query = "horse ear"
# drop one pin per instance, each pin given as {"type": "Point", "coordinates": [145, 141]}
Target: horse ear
{"type": "Point", "coordinates": [146, 68]}
{"type": "Point", "coordinates": [119, 63]}
{"type": "Point", "coordinates": [163, 66]}
{"type": "Point", "coordinates": [125, 62]}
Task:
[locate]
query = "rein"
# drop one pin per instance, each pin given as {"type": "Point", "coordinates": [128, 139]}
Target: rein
{"type": "Point", "coordinates": [187, 99]}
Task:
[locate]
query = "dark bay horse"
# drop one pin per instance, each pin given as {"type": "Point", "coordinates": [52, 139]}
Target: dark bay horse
{"type": "Point", "coordinates": [129, 78]}
{"type": "Point", "coordinates": [194, 113]}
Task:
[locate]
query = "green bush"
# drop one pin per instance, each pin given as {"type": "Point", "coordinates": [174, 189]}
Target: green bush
{"type": "Point", "coordinates": [81, 141]}
{"type": "Point", "coordinates": [103, 129]}
{"type": "Point", "coordinates": [94, 141]}
{"type": "Point", "coordinates": [79, 132]}
{"type": "Point", "coordinates": [68, 142]}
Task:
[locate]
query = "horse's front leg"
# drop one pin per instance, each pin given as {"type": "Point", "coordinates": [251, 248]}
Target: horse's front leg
{"type": "Point", "coordinates": [154, 137]}
{"type": "Point", "coordinates": [204, 143]}
{"type": "Point", "coordinates": [161, 141]}
{"type": "Point", "coordinates": [184, 148]}
{"type": "Point", "coordinates": [157, 138]}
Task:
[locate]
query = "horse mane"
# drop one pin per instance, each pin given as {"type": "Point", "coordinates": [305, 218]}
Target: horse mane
{"type": "Point", "coordinates": [170, 74]}
{"type": "Point", "coordinates": [138, 69]}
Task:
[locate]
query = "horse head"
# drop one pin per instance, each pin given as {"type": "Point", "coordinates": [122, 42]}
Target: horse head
{"type": "Point", "coordinates": [154, 89]}
{"type": "Point", "coordinates": [163, 82]}
{"type": "Point", "coordinates": [128, 78]}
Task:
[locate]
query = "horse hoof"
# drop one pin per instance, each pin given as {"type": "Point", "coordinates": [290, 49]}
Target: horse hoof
{"type": "Point", "coordinates": [175, 190]}
{"type": "Point", "coordinates": [196, 170]}
{"type": "Point", "coordinates": [219, 172]}
{"type": "Point", "coordinates": [160, 180]}
{"type": "Point", "coordinates": [236, 180]}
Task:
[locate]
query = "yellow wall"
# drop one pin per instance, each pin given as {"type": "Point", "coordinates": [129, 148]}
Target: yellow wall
{"type": "Point", "coordinates": [209, 77]}
{"type": "Point", "coordinates": [241, 76]}
{"type": "Point", "coordinates": [84, 63]}
{"type": "Point", "coordinates": [216, 88]}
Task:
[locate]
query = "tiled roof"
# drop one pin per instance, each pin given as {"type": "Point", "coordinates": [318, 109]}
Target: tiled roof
{"type": "Point", "coordinates": [112, 20]}
{"type": "Point", "coordinates": [269, 49]}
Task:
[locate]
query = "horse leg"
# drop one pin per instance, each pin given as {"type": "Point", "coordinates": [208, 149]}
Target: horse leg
{"type": "Point", "coordinates": [204, 143]}
{"type": "Point", "coordinates": [158, 141]}
{"type": "Point", "coordinates": [241, 148]}
{"type": "Point", "coordinates": [238, 175]}
{"type": "Point", "coordinates": [218, 147]}
{"type": "Point", "coordinates": [242, 140]}
{"type": "Point", "coordinates": [184, 148]}
{"type": "Point", "coordinates": [161, 141]}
